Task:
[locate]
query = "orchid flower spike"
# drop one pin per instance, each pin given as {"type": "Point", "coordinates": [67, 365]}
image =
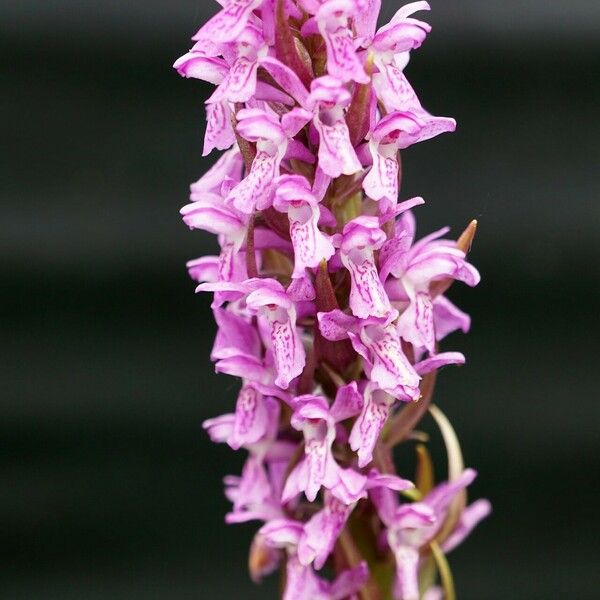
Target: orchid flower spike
{"type": "Point", "coordinates": [330, 312]}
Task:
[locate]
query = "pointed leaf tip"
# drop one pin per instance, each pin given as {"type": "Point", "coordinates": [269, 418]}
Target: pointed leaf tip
{"type": "Point", "coordinates": [463, 243]}
{"type": "Point", "coordinates": [425, 479]}
{"type": "Point", "coordinates": [466, 238]}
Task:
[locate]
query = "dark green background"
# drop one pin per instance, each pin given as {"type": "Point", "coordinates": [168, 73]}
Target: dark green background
{"type": "Point", "coordinates": [110, 489]}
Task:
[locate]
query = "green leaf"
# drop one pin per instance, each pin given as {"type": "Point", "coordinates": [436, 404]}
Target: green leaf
{"type": "Point", "coordinates": [456, 464]}
{"type": "Point", "coordinates": [455, 467]}
{"type": "Point", "coordinates": [446, 578]}
{"type": "Point", "coordinates": [427, 574]}
{"type": "Point", "coordinates": [425, 478]}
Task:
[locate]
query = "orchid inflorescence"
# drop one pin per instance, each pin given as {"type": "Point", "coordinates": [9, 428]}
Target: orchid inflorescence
{"type": "Point", "coordinates": [328, 308]}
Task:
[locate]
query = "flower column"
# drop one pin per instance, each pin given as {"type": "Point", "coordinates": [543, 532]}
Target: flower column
{"type": "Point", "coordinates": [328, 310]}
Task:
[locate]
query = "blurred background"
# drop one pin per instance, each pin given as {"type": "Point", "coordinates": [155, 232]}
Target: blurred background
{"type": "Point", "coordinates": [110, 487]}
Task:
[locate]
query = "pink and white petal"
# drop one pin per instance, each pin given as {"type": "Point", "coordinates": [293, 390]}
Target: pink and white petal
{"type": "Point", "coordinates": [391, 370]}
{"type": "Point", "coordinates": [286, 78]}
{"type": "Point", "coordinates": [240, 83]}
{"type": "Point", "coordinates": [240, 289]}
{"type": "Point", "coordinates": [390, 482]}
{"type": "Point", "coordinates": [349, 582]}
{"type": "Point", "coordinates": [386, 503]}
{"type": "Point", "coordinates": [335, 325]}
{"type": "Point", "coordinates": [301, 289]}
{"type": "Point", "coordinates": [406, 584]}
{"type": "Point", "coordinates": [405, 206]}
{"type": "Point", "coordinates": [447, 318]}
{"type": "Point", "coordinates": [342, 60]}
{"type": "Point", "coordinates": [320, 184]}
{"type": "Point", "coordinates": [394, 90]}
{"type": "Point", "coordinates": [440, 497]}
{"type": "Point", "coordinates": [255, 124]}
{"type": "Point", "coordinates": [367, 427]}
{"type": "Point", "coordinates": [269, 93]}
{"type": "Point", "coordinates": [232, 265]}
{"type": "Point", "coordinates": [470, 517]}
{"type": "Point", "coordinates": [280, 533]}
{"type": "Point", "coordinates": [351, 486]}
{"type": "Point", "coordinates": [295, 120]}
{"type": "Point", "coordinates": [288, 352]}
{"type": "Point", "coordinates": [269, 293]}
{"type": "Point", "coordinates": [251, 418]}
{"type": "Point", "coordinates": [322, 470]}
{"type": "Point", "coordinates": [415, 324]}
{"type": "Point", "coordinates": [247, 367]}
{"type": "Point", "coordinates": [307, 409]}
{"type": "Point", "coordinates": [228, 167]}
{"type": "Point", "coordinates": [368, 297]}
{"type": "Point", "coordinates": [321, 532]}
{"type": "Point", "coordinates": [205, 268]}
{"type": "Point", "coordinates": [256, 188]}
{"type": "Point", "coordinates": [441, 261]}
{"type": "Point", "coordinates": [365, 20]}
{"type": "Point", "coordinates": [382, 180]}
{"type": "Point", "coordinates": [301, 583]}
{"type": "Point", "coordinates": [432, 127]}
{"type": "Point", "coordinates": [336, 153]}
{"type": "Point", "coordinates": [409, 9]}
{"type": "Point", "coordinates": [400, 37]}
{"type": "Point", "coordinates": [438, 361]}
{"type": "Point", "coordinates": [219, 132]}
{"type": "Point", "coordinates": [348, 402]}
{"type": "Point", "coordinates": [229, 22]}
{"type": "Point", "coordinates": [198, 66]}
{"type": "Point", "coordinates": [295, 483]}
{"type": "Point", "coordinates": [235, 336]}
{"type": "Point", "coordinates": [219, 429]}
{"type": "Point", "coordinates": [311, 246]}
{"type": "Point", "coordinates": [220, 220]}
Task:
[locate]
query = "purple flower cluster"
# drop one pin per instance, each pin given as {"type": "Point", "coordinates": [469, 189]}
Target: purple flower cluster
{"type": "Point", "coordinates": [328, 308]}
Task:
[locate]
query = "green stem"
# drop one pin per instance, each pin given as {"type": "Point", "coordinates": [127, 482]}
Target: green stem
{"type": "Point", "coordinates": [444, 569]}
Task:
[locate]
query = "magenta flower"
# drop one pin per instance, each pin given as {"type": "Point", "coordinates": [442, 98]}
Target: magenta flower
{"type": "Point", "coordinates": [318, 468]}
{"type": "Point", "coordinates": [360, 238]}
{"type": "Point", "coordinates": [272, 303]}
{"type": "Point", "coordinates": [294, 197]}
{"type": "Point", "coordinates": [380, 346]}
{"type": "Point", "coordinates": [228, 24]}
{"type": "Point", "coordinates": [272, 140]}
{"type": "Point", "coordinates": [252, 494]}
{"type": "Point", "coordinates": [321, 531]}
{"type": "Point", "coordinates": [330, 314]}
{"type": "Point", "coordinates": [413, 525]}
{"type": "Point", "coordinates": [367, 427]}
{"type": "Point", "coordinates": [415, 269]}
{"type": "Point", "coordinates": [328, 98]}
{"type": "Point", "coordinates": [302, 583]}
{"type": "Point", "coordinates": [394, 132]}
{"type": "Point", "coordinates": [332, 19]}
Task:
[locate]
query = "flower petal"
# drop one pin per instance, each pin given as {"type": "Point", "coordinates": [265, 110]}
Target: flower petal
{"type": "Point", "coordinates": [229, 22]}
{"type": "Point", "coordinates": [219, 132]}
{"type": "Point", "coordinates": [367, 427]}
